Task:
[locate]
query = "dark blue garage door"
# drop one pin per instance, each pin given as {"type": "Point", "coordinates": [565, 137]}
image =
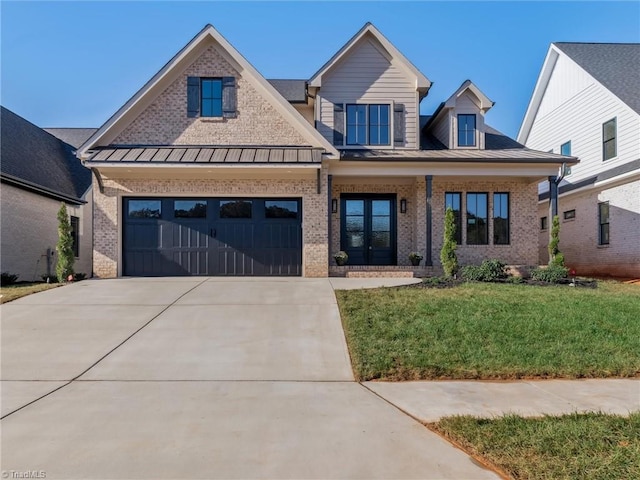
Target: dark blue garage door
{"type": "Point", "coordinates": [212, 236]}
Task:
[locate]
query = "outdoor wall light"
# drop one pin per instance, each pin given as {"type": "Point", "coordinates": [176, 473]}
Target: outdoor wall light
{"type": "Point", "coordinates": [334, 205]}
{"type": "Point", "coordinates": [403, 205]}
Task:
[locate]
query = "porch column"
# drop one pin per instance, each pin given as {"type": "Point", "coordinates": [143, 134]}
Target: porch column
{"type": "Point", "coordinates": [553, 197]}
{"type": "Point", "coordinates": [428, 261]}
{"type": "Point", "coordinates": [329, 213]}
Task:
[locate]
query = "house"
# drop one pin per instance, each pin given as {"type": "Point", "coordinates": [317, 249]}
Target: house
{"type": "Point", "coordinates": [210, 169]}
{"type": "Point", "coordinates": [586, 103]}
{"type": "Point", "coordinates": [39, 172]}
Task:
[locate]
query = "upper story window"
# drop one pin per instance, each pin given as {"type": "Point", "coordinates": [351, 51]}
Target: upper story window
{"type": "Point", "coordinates": [565, 149]}
{"type": "Point", "coordinates": [368, 124]}
{"type": "Point", "coordinates": [609, 134]}
{"type": "Point", "coordinates": [466, 130]}
{"type": "Point", "coordinates": [210, 97]}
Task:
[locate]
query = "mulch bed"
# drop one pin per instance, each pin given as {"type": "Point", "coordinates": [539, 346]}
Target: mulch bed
{"type": "Point", "coordinates": [441, 282]}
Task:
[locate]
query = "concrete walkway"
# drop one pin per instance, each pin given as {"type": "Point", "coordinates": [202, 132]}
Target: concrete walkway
{"type": "Point", "coordinates": [199, 378]}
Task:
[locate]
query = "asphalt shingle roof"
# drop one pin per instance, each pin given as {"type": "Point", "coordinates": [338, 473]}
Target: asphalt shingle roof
{"type": "Point", "coordinates": [35, 159]}
{"type": "Point", "coordinates": [294, 91]}
{"type": "Point", "coordinates": [73, 136]}
{"type": "Point", "coordinates": [615, 65]}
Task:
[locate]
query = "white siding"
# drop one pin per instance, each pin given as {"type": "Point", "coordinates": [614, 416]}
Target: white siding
{"type": "Point", "coordinates": [366, 75]}
{"type": "Point", "coordinates": [441, 129]}
{"type": "Point", "coordinates": [573, 108]}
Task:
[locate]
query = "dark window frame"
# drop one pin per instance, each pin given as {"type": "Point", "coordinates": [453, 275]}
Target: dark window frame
{"type": "Point", "coordinates": [569, 214]}
{"type": "Point", "coordinates": [544, 223]}
{"type": "Point", "coordinates": [508, 218]}
{"type": "Point", "coordinates": [467, 131]}
{"type": "Point", "coordinates": [75, 234]}
{"type": "Point", "coordinates": [474, 226]}
{"type": "Point", "coordinates": [613, 139]}
{"type": "Point", "coordinates": [458, 215]}
{"type": "Point", "coordinates": [602, 238]}
{"type": "Point", "coordinates": [348, 125]}
{"type": "Point", "coordinates": [213, 98]}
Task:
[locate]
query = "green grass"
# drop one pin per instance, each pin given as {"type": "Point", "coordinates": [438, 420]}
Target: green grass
{"type": "Point", "coordinates": [594, 446]}
{"type": "Point", "coordinates": [491, 331]}
{"type": "Point", "coordinates": [13, 292]}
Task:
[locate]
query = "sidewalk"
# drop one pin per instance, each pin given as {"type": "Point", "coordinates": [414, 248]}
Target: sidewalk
{"type": "Point", "coordinates": [428, 401]}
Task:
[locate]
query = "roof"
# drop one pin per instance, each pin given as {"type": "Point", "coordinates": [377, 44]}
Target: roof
{"type": "Point", "coordinates": [498, 148]}
{"type": "Point", "coordinates": [614, 65]}
{"type": "Point", "coordinates": [73, 136]}
{"type": "Point", "coordinates": [37, 161]}
{"type": "Point", "coordinates": [226, 154]}
{"type": "Point", "coordinates": [422, 82]}
{"type": "Point", "coordinates": [161, 80]}
{"type": "Point", "coordinates": [294, 91]}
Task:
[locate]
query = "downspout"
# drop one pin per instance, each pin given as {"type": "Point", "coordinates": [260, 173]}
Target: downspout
{"type": "Point", "coordinates": [554, 182]}
{"type": "Point", "coordinates": [329, 212]}
{"type": "Point", "coordinates": [96, 173]}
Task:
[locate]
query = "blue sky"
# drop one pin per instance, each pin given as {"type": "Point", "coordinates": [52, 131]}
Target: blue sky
{"type": "Point", "coordinates": [73, 64]}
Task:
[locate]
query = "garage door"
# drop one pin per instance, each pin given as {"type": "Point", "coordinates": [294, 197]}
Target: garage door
{"type": "Point", "coordinates": [212, 236]}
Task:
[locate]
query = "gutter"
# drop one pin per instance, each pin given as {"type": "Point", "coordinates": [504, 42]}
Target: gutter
{"type": "Point", "coordinates": [40, 190]}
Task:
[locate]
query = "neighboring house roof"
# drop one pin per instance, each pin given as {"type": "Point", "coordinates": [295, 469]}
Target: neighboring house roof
{"type": "Point", "coordinates": [614, 65]}
{"type": "Point", "coordinates": [35, 160]}
{"type": "Point", "coordinates": [294, 91]}
{"type": "Point", "coordinates": [422, 82]}
{"type": "Point", "coordinates": [165, 76]}
{"type": "Point", "coordinates": [73, 136]}
{"type": "Point", "coordinates": [207, 154]}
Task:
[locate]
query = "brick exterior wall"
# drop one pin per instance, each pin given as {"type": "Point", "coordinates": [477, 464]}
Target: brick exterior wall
{"type": "Point", "coordinates": [165, 121]}
{"type": "Point", "coordinates": [579, 236]}
{"type": "Point", "coordinates": [107, 232]}
{"type": "Point", "coordinates": [25, 243]}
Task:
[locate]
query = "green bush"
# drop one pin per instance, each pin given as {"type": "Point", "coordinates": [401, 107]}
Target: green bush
{"type": "Point", "coordinates": [551, 274]}
{"type": "Point", "coordinates": [489, 271]}
{"type": "Point", "coordinates": [7, 278]}
{"type": "Point", "coordinates": [49, 279]}
{"type": "Point", "coordinates": [555, 256]}
{"type": "Point", "coordinates": [448, 256]}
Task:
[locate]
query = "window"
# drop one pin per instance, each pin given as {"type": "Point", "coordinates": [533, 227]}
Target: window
{"type": "Point", "coordinates": [453, 200]}
{"type": "Point", "coordinates": [235, 209]}
{"type": "Point", "coordinates": [565, 149]}
{"type": "Point", "coordinates": [609, 139]}
{"type": "Point", "coordinates": [501, 219]}
{"type": "Point", "coordinates": [466, 130]}
{"type": "Point", "coordinates": [368, 125]}
{"type": "Point", "coordinates": [477, 224]}
{"type": "Point", "coordinates": [211, 97]}
{"type": "Point", "coordinates": [190, 208]}
{"type": "Point", "coordinates": [544, 223]}
{"type": "Point", "coordinates": [281, 209]}
{"type": "Point", "coordinates": [569, 214]}
{"type": "Point", "coordinates": [75, 235]}
{"type": "Point", "coordinates": [603, 221]}
{"type": "Point", "coordinates": [145, 208]}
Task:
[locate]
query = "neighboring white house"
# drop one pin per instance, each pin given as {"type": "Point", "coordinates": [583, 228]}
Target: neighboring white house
{"type": "Point", "coordinates": [586, 103]}
{"type": "Point", "coordinates": [39, 171]}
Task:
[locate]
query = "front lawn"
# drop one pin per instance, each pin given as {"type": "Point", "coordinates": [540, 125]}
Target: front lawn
{"type": "Point", "coordinates": [490, 331]}
{"type": "Point", "coordinates": [593, 445]}
{"type": "Point", "coordinates": [13, 292]}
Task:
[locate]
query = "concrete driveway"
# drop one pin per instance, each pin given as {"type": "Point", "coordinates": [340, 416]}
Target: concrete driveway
{"type": "Point", "coordinates": [199, 378]}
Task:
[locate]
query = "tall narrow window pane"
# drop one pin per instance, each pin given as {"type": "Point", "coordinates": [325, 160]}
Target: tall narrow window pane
{"type": "Point", "coordinates": [466, 130]}
{"type": "Point", "coordinates": [565, 149]}
{"type": "Point", "coordinates": [75, 235]}
{"type": "Point", "coordinates": [501, 218]}
{"type": "Point", "coordinates": [453, 200]}
{"type": "Point", "coordinates": [211, 97]}
{"type": "Point", "coordinates": [477, 222]}
{"type": "Point", "coordinates": [356, 125]}
{"type": "Point", "coordinates": [603, 220]}
{"type": "Point", "coordinates": [609, 139]}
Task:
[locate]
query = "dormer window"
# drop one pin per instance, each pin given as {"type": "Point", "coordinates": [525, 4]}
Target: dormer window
{"type": "Point", "coordinates": [466, 130]}
{"type": "Point", "coordinates": [368, 124]}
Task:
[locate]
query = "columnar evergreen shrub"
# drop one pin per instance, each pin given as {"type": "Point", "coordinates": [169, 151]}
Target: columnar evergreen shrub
{"type": "Point", "coordinates": [64, 266]}
{"type": "Point", "coordinates": [555, 256]}
{"type": "Point", "coordinates": [448, 256]}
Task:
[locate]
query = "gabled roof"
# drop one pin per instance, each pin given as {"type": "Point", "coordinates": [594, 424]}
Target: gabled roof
{"type": "Point", "coordinates": [180, 61]}
{"type": "Point", "coordinates": [37, 161]}
{"type": "Point", "coordinates": [422, 82]}
{"type": "Point", "coordinates": [613, 65]}
{"type": "Point", "coordinates": [485, 102]}
{"type": "Point", "coordinates": [73, 136]}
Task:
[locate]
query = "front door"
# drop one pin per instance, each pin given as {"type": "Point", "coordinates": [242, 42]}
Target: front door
{"type": "Point", "coordinates": [368, 229]}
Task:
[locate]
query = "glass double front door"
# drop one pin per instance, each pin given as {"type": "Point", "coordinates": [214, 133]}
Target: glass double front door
{"type": "Point", "coordinates": [368, 229]}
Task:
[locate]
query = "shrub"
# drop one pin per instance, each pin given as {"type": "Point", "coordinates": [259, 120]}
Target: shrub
{"type": "Point", "coordinates": [64, 266]}
{"type": "Point", "coordinates": [341, 257]}
{"type": "Point", "coordinates": [555, 256]}
{"type": "Point", "coordinates": [79, 276]}
{"type": "Point", "coordinates": [489, 271]}
{"type": "Point", "coordinates": [448, 256]}
{"type": "Point", "coordinates": [551, 274]}
{"type": "Point", "coordinates": [7, 278]}
{"type": "Point", "coordinates": [49, 279]}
